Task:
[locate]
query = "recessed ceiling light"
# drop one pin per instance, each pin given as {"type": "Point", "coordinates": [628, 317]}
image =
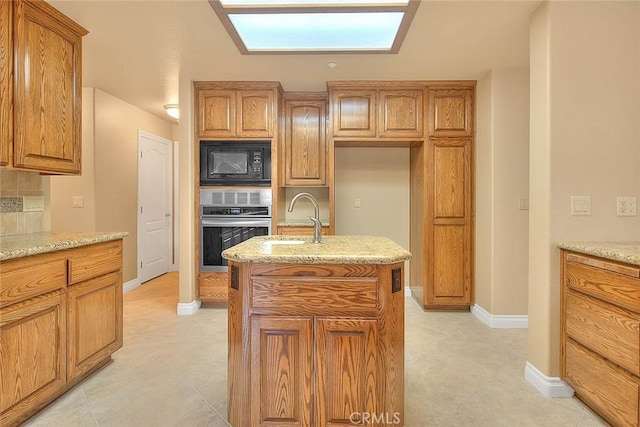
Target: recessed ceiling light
{"type": "Point", "coordinates": [332, 65]}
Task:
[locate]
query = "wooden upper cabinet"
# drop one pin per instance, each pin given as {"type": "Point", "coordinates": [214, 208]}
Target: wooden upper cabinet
{"type": "Point", "coordinates": [354, 113]}
{"type": "Point", "coordinates": [231, 113]}
{"type": "Point", "coordinates": [216, 113]}
{"type": "Point", "coordinates": [305, 146]}
{"type": "Point", "coordinates": [400, 113]}
{"type": "Point", "coordinates": [47, 98]}
{"type": "Point", "coordinates": [451, 112]}
{"type": "Point", "coordinates": [6, 80]}
{"type": "Point", "coordinates": [255, 114]}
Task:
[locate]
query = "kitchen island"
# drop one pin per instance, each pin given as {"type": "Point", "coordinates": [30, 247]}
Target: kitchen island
{"type": "Point", "coordinates": [316, 331]}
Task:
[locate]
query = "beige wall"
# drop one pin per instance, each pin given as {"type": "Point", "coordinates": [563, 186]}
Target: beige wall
{"type": "Point", "coordinates": [502, 177]}
{"type": "Point", "coordinates": [109, 181]}
{"type": "Point", "coordinates": [380, 178]}
{"type": "Point", "coordinates": [585, 104]}
{"type": "Point", "coordinates": [64, 217]}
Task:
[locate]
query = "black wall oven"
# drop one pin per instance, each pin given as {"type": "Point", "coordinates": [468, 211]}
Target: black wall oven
{"type": "Point", "coordinates": [235, 163]}
{"type": "Point", "coordinates": [228, 217]}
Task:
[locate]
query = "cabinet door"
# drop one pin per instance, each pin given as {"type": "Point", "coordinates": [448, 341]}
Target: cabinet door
{"type": "Point", "coordinates": [33, 362]}
{"type": "Point", "coordinates": [346, 370]}
{"type": "Point", "coordinates": [6, 81]}
{"type": "Point", "coordinates": [255, 114]}
{"type": "Point", "coordinates": [305, 143]}
{"type": "Point", "coordinates": [95, 322]}
{"type": "Point", "coordinates": [400, 113]}
{"type": "Point", "coordinates": [216, 113]}
{"type": "Point", "coordinates": [281, 371]}
{"type": "Point", "coordinates": [354, 113]}
{"type": "Point", "coordinates": [47, 104]}
{"type": "Point", "coordinates": [450, 259]}
{"type": "Point", "coordinates": [451, 112]}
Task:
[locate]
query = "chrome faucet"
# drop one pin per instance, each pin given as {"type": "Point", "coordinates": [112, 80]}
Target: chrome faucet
{"type": "Point", "coordinates": [317, 226]}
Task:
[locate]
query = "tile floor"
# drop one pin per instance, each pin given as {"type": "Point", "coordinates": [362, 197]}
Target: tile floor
{"type": "Point", "coordinates": [172, 372]}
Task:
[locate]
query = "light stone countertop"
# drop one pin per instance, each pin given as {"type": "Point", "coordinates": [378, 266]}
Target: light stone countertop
{"type": "Point", "coordinates": [21, 245]}
{"type": "Point", "coordinates": [332, 250]}
{"type": "Point", "coordinates": [628, 252]}
{"type": "Point", "coordinates": [301, 223]}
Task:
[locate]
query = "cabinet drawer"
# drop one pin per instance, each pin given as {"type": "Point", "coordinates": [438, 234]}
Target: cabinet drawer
{"type": "Point", "coordinates": [612, 332]}
{"type": "Point", "coordinates": [95, 260]}
{"type": "Point", "coordinates": [611, 391]}
{"type": "Point", "coordinates": [308, 296]}
{"type": "Point", "coordinates": [31, 276]}
{"type": "Point", "coordinates": [616, 288]}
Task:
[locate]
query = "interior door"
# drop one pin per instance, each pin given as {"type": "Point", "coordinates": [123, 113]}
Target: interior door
{"type": "Point", "coordinates": [155, 231]}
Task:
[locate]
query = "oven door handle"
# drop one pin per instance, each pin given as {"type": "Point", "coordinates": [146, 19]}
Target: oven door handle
{"type": "Point", "coordinates": [234, 222]}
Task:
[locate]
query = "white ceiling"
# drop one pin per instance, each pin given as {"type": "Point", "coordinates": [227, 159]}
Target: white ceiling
{"type": "Point", "coordinates": [136, 50]}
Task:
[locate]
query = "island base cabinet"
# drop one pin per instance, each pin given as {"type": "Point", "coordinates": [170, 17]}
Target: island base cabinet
{"type": "Point", "coordinates": [281, 371]}
{"type": "Point", "coordinates": [347, 371]}
{"type": "Point", "coordinates": [94, 322]}
{"type": "Point", "coordinates": [33, 361]}
{"type": "Point", "coordinates": [323, 346]}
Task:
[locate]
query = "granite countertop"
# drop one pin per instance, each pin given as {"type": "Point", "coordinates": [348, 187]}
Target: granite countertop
{"type": "Point", "coordinates": [301, 223]}
{"type": "Point", "coordinates": [332, 250]}
{"type": "Point", "coordinates": [628, 252]}
{"type": "Point", "coordinates": [21, 245]}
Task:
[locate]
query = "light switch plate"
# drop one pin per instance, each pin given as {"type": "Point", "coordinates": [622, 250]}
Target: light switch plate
{"type": "Point", "coordinates": [580, 205]}
{"type": "Point", "coordinates": [32, 203]}
{"type": "Point", "coordinates": [523, 203]}
{"type": "Point", "coordinates": [77, 201]}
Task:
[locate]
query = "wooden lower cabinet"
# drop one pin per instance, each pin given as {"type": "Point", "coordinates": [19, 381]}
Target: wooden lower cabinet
{"type": "Point", "coordinates": [600, 335]}
{"type": "Point", "coordinates": [33, 362]}
{"type": "Point", "coordinates": [281, 370]}
{"type": "Point", "coordinates": [315, 345]}
{"type": "Point", "coordinates": [347, 370]}
{"type": "Point", "coordinates": [94, 323]}
{"type": "Point", "coordinates": [53, 333]}
{"type": "Point", "coordinates": [212, 288]}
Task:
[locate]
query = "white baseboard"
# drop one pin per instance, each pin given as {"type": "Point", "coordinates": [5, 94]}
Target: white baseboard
{"type": "Point", "coordinates": [547, 386]}
{"type": "Point", "coordinates": [130, 285]}
{"type": "Point", "coordinates": [188, 308]}
{"type": "Point", "coordinates": [505, 321]}
{"type": "Point", "coordinates": [407, 291]}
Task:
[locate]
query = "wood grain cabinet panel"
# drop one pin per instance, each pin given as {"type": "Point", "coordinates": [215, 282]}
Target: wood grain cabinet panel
{"type": "Point", "coordinates": [94, 322]}
{"type": "Point", "coordinates": [451, 180]}
{"type": "Point", "coordinates": [6, 81]}
{"type": "Point", "coordinates": [605, 328]}
{"type": "Point", "coordinates": [94, 261]}
{"type": "Point", "coordinates": [451, 112]}
{"type": "Point", "coordinates": [347, 359]}
{"type": "Point", "coordinates": [281, 371]}
{"type": "Point", "coordinates": [46, 272]}
{"type": "Point", "coordinates": [255, 114]}
{"type": "Point", "coordinates": [48, 89]}
{"type": "Point", "coordinates": [300, 230]}
{"type": "Point", "coordinates": [216, 113]}
{"type": "Point", "coordinates": [611, 391]}
{"type": "Point", "coordinates": [305, 144]}
{"type": "Point", "coordinates": [33, 362]}
{"type": "Point", "coordinates": [451, 269]}
{"type": "Point", "coordinates": [354, 113]}
{"type": "Point", "coordinates": [212, 287]}
{"type": "Point", "coordinates": [400, 113]}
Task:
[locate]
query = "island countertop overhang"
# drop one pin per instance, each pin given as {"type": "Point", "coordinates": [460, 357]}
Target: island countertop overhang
{"type": "Point", "coordinates": [341, 249]}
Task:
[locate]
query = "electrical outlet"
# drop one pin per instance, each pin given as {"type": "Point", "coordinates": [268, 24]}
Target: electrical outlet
{"type": "Point", "coordinates": [523, 203]}
{"type": "Point", "coordinates": [356, 202]}
{"type": "Point", "coordinates": [626, 206]}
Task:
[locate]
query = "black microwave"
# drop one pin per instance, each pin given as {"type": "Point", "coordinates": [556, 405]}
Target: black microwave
{"type": "Point", "coordinates": [235, 163]}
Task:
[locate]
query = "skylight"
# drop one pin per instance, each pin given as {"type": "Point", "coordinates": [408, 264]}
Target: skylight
{"type": "Point", "coordinates": [316, 26]}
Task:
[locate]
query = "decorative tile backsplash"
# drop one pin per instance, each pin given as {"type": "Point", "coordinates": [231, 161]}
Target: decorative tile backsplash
{"type": "Point", "coordinates": [13, 185]}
